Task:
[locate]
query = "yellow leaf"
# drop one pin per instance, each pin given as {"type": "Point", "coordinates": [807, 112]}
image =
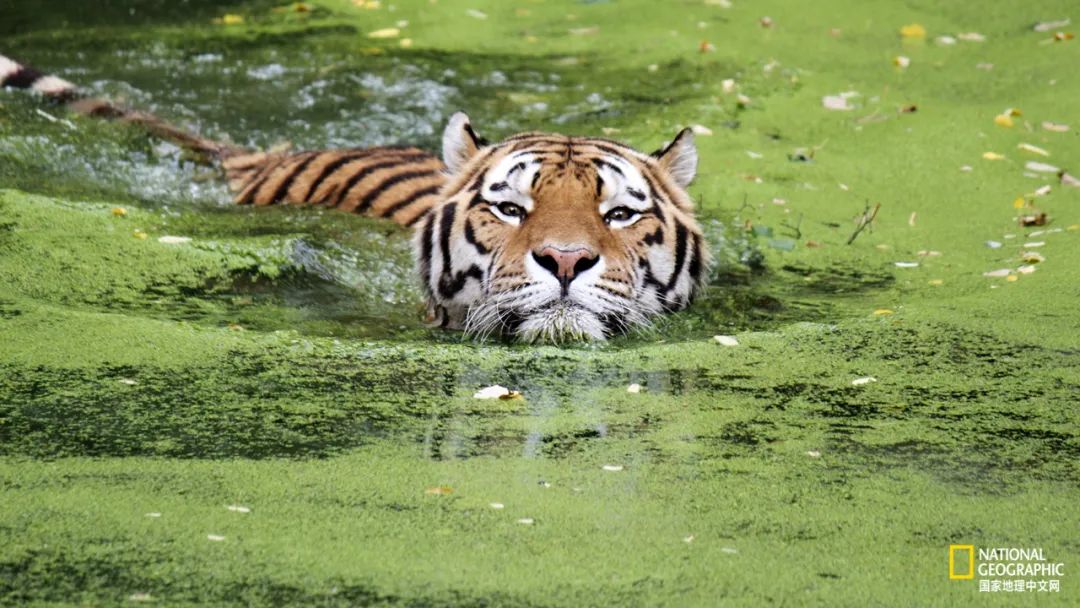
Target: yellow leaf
{"type": "Point", "coordinates": [913, 30]}
{"type": "Point", "coordinates": [993, 156]}
{"type": "Point", "coordinates": [139, 234]}
{"type": "Point", "coordinates": [1003, 120]}
{"type": "Point", "coordinates": [936, 282]}
{"type": "Point", "coordinates": [439, 491]}
{"type": "Point", "coordinates": [119, 211]}
{"type": "Point", "coordinates": [1032, 149]}
{"type": "Point", "coordinates": [882, 311]}
{"type": "Point", "coordinates": [232, 19]}
{"type": "Point", "coordinates": [1019, 203]}
{"type": "Point", "coordinates": [389, 32]}
{"type": "Point", "coordinates": [1012, 278]}
{"type": "Point", "coordinates": [405, 43]}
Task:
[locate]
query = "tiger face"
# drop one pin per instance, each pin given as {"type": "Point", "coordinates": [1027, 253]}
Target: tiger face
{"type": "Point", "coordinates": [549, 237]}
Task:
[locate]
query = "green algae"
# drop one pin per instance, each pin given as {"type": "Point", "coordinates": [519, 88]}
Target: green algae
{"type": "Point", "coordinates": [278, 360]}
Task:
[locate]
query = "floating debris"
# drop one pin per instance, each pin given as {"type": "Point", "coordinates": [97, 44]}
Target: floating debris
{"type": "Point", "coordinates": [966, 168]}
{"type": "Point", "coordinates": [1042, 191]}
{"type": "Point", "coordinates": [997, 274]}
{"type": "Point", "coordinates": [945, 40]}
{"type": "Point", "coordinates": [1033, 149]}
{"type": "Point", "coordinates": [726, 340]}
{"type": "Point", "coordinates": [906, 264]}
{"type": "Point", "coordinates": [128, 381]}
{"type": "Point", "coordinates": [387, 32]}
{"type": "Point", "coordinates": [813, 453]}
{"type": "Point", "coordinates": [971, 37]}
{"type": "Point", "coordinates": [475, 14]}
{"type": "Point", "coordinates": [836, 102]}
{"type": "Point", "coordinates": [526, 521]}
{"type": "Point", "coordinates": [614, 468]}
{"type": "Point", "coordinates": [491, 392]}
{"type": "Point", "coordinates": [754, 155]}
{"type": "Point", "coordinates": [238, 509]}
{"type": "Point", "coordinates": [688, 539]}
{"type": "Point", "coordinates": [1047, 26]}
{"type": "Point", "coordinates": [153, 514]}
{"type": "Point", "coordinates": [1034, 244]}
{"type": "Point", "coordinates": [1026, 269]}
{"type": "Point", "coordinates": [913, 30]}
{"type": "Point", "coordinates": [993, 156]}
{"type": "Point", "coordinates": [729, 550]}
{"type": "Point", "coordinates": [863, 381]}
{"type": "Point", "coordinates": [174, 240]}
{"type": "Point", "coordinates": [634, 388]}
{"type": "Point", "coordinates": [1038, 167]}
{"type": "Point", "coordinates": [140, 597]}
{"type": "Point", "coordinates": [497, 505]}
{"type": "Point", "coordinates": [1055, 127]}
{"type": "Point", "coordinates": [215, 537]}
{"type": "Point", "coordinates": [1068, 180]}
{"type": "Point", "coordinates": [993, 244]}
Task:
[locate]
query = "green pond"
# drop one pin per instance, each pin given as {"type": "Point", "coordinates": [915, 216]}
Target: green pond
{"type": "Point", "coordinates": [259, 416]}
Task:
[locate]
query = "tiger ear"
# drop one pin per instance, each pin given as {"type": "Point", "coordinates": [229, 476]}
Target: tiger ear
{"type": "Point", "coordinates": [679, 158]}
{"type": "Point", "coordinates": [459, 142]}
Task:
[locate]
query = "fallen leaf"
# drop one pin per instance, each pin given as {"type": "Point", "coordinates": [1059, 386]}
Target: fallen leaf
{"type": "Point", "coordinates": [119, 211]}
{"type": "Point", "coordinates": [993, 156]}
{"type": "Point", "coordinates": [1012, 278]}
{"type": "Point", "coordinates": [1062, 36]}
{"type": "Point", "coordinates": [1019, 203]}
{"type": "Point", "coordinates": [584, 31]}
{"type": "Point", "coordinates": [882, 312]}
{"type": "Point", "coordinates": [706, 47]}
{"type": "Point", "coordinates": [439, 491]}
{"type": "Point", "coordinates": [230, 19]}
{"type": "Point", "coordinates": [511, 395]}
{"type": "Point", "coordinates": [1000, 272]}
{"type": "Point", "coordinates": [1055, 127]}
{"type": "Point", "coordinates": [766, 22]}
{"type": "Point", "coordinates": [1026, 269]}
{"type": "Point", "coordinates": [901, 61]}
{"type": "Point", "coordinates": [1043, 191]}
{"type": "Point", "coordinates": [971, 37]}
{"type": "Point", "coordinates": [405, 43]}
{"type": "Point", "coordinates": [1003, 120]}
{"type": "Point", "coordinates": [1032, 257]}
{"type": "Point", "coordinates": [935, 282]}
{"type": "Point", "coordinates": [1034, 244]}
{"type": "Point", "coordinates": [139, 234]}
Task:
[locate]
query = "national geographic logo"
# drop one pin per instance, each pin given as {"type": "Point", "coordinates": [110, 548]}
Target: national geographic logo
{"type": "Point", "coordinates": [1006, 569]}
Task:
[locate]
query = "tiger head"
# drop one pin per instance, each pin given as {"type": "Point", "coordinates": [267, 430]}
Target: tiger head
{"type": "Point", "coordinates": [549, 237]}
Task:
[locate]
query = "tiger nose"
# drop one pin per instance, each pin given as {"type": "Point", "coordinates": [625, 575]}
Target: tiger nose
{"type": "Point", "coordinates": [565, 264]}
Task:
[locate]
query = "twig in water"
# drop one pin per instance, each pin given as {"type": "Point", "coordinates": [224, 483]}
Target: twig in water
{"type": "Point", "coordinates": [865, 220]}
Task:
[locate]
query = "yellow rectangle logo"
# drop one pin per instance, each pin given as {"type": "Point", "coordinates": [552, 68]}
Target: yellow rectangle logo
{"type": "Point", "coordinates": [962, 576]}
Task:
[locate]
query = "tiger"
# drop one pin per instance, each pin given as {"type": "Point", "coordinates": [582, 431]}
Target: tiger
{"type": "Point", "coordinates": [539, 237]}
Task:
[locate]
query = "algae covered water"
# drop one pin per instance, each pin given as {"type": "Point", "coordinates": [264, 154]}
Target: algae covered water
{"type": "Point", "coordinates": [255, 413]}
